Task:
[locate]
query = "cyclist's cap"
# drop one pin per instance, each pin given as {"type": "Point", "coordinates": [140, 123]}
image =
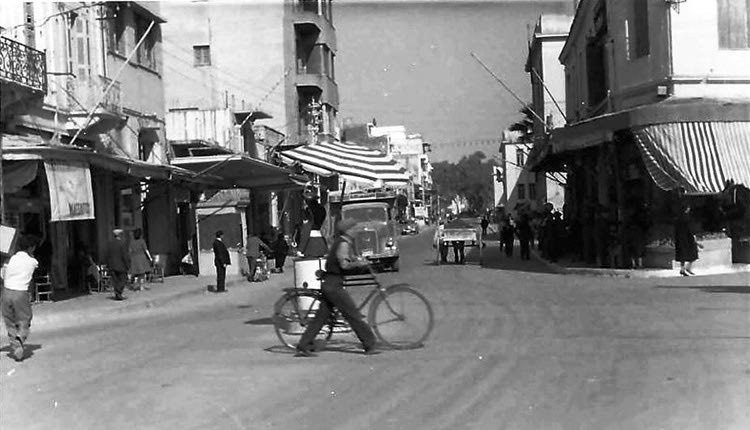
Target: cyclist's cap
{"type": "Point", "coordinates": [345, 225]}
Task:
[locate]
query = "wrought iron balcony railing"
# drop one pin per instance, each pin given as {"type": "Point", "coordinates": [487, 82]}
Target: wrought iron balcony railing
{"type": "Point", "coordinates": [23, 65]}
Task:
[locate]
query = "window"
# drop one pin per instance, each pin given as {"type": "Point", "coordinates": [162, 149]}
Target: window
{"type": "Point", "coordinates": [734, 24]}
{"type": "Point", "coordinates": [520, 157]}
{"type": "Point", "coordinates": [640, 28]}
{"type": "Point", "coordinates": [532, 192]}
{"type": "Point", "coordinates": [521, 192]}
{"type": "Point", "coordinates": [115, 30]}
{"type": "Point", "coordinates": [145, 56]}
{"type": "Point", "coordinates": [202, 55]}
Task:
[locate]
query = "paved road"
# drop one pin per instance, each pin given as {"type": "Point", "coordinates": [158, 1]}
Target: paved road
{"type": "Point", "coordinates": [513, 348]}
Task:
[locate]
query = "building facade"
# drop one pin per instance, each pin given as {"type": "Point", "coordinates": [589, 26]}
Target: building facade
{"type": "Point", "coordinates": [275, 57]}
{"type": "Point", "coordinates": [547, 77]}
{"type": "Point", "coordinates": [657, 99]}
{"type": "Point", "coordinates": [99, 130]}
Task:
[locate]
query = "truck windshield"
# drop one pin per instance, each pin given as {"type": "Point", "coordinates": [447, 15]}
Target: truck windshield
{"type": "Point", "coordinates": [366, 214]}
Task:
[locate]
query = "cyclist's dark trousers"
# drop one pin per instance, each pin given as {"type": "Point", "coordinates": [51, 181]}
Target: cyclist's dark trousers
{"type": "Point", "coordinates": [334, 296]}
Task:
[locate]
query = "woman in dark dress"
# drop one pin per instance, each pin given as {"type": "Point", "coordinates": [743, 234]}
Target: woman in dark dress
{"type": "Point", "coordinates": [685, 244]}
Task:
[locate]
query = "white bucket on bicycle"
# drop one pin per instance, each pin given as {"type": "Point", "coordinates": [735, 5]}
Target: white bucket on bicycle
{"type": "Point", "coordinates": [304, 276]}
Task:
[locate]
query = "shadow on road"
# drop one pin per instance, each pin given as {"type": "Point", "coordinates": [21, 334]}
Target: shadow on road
{"type": "Point", "coordinates": [260, 321]}
{"type": "Point", "coordinates": [496, 260]}
{"type": "Point", "coordinates": [726, 289]}
{"type": "Point", "coordinates": [29, 349]}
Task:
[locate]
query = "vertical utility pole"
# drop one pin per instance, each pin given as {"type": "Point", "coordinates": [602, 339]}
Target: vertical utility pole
{"type": "Point", "coordinates": [2, 185]}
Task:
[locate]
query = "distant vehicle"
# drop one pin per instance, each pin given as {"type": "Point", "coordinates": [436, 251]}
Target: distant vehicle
{"type": "Point", "coordinates": [409, 227]}
{"type": "Point", "coordinates": [376, 232]}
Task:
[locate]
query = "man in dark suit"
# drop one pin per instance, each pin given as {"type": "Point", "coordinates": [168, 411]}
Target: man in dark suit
{"type": "Point", "coordinates": [221, 261]}
{"type": "Point", "coordinates": [118, 262]}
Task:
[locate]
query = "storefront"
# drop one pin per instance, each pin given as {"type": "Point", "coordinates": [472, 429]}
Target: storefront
{"type": "Point", "coordinates": [628, 173]}
{"type": "Point", "coordinates": [72, 198]}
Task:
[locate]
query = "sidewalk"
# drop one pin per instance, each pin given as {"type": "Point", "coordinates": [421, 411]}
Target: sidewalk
{"type": "Point", "coordinates": [101, 307]}
{"type": "Point", "coordinates": [568, 267]}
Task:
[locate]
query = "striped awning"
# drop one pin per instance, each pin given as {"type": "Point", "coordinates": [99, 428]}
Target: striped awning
{"type": "Point", "coordinates": [699, 156]}
{"type": "Point", "coordinates": [351, 161]}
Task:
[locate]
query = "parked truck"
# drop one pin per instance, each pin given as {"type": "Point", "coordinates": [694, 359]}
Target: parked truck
{"type": "Point", "coordinates": [376, 232]}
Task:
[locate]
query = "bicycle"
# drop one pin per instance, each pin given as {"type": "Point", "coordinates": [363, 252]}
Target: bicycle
{"type": "Point", "coordinates": [400, 316]}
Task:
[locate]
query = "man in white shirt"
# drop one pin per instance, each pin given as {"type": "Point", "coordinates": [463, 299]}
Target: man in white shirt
{"type": "Point", "coordinates": [14, 301]}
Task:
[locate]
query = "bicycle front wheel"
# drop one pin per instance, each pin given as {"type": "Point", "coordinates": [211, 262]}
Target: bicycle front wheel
{"type": "Point", "coordinates": [292, 314]}
{"type": "Point", "coordinates": [401, 317]}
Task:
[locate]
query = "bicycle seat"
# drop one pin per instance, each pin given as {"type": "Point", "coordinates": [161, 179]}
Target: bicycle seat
{"type": "Point", "coordinates": [320, 274]}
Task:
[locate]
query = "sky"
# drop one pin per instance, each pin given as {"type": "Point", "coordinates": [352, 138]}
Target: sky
{"type": "Point", "coordinates": [409, 63]}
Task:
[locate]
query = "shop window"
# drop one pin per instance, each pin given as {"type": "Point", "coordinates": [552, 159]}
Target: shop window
{"type": "Point", "coordinates": [201, 55]}
{"type": "Point", "coordinates": [734, 24]}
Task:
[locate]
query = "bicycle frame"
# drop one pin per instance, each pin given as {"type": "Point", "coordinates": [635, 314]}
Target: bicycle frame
{"type": "Point", "coordinates": [363, 280]}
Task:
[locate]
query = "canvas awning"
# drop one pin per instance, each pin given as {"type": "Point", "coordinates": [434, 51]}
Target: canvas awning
{"type": "Point", "coordinates": [351, 161]}
{"type": "Point", "coordinates": [19, 148]}
{"type": "Point", "coordinates": [697, 156]}
{"type": "Point", "coordinates": [242, 171]}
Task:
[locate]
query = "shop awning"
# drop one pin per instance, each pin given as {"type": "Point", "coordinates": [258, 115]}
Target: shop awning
{"type": "Point", "coordinates": [351, 161]}
{"type": "Point", "coordinates": [593, 131]}
{"type": "Point", "coordinates": [18, 148]}
{"type": "Point", "coordinates": [241, 171]}
{"type": "Point", "coordinates": [699, 156]}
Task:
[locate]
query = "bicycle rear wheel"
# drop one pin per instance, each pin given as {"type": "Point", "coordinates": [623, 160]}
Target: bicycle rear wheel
{"type": "Point", "coordinates": [292, 313]}
{"type": "Point", "coordinates": [401, 317]}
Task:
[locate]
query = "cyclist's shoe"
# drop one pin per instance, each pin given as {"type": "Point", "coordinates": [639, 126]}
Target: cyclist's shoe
{"type": "Point", "coordinates": [305, 353]}
{"type": "Point", "coordinates": [372, 351]}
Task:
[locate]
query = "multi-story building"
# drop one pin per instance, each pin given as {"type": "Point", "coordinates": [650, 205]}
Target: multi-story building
{"type": "Point", "coordinates": [547, 101]}
{"type": "Point", "coordinates": [92, 150]}
{"type": "Point", "coordinates": [275, 57]}
{"type": "Point", "coordinates": [658, 109]}
{"type": "Point", "coordinates": [260, 75]}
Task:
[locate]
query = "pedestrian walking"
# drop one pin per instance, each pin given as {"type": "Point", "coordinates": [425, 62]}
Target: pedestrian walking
{"type": "Point", "coordinates": [118, 262]}
{"type": "Point", "coordinates": [437, 241]}
{"type": "Point", "coordinates": [458, 252]}
{"type": "Point", "coordinates": [140, 260]}
{"type": "Point", "coordinates": [341, 260]}
{"type": "Point", "coordinates": [507, 235]}
{"type": "Point", "coordinates": [280, 251]}
{"type": "Point", "coordinates": [221, 261]}
{"type": "Point", "coordinates": [312, 242]}
{"type": "Point", "coordinates": [484, 223]}
{"type": "Point", "coordinates": [523, 230]}
{"type": "Point", "coordinates": [14, 300]}
{"type": "Point", "coordinates": [685, 244]}
{"type": "Point", "coordinates": [253, 252]}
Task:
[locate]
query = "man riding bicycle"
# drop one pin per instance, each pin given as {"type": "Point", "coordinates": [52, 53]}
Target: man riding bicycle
{"type": "Point", "coordinates": [341, 260]}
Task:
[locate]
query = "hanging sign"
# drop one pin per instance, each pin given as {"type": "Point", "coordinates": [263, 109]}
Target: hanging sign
{"type": "Point", "coordinates": [70, 193]}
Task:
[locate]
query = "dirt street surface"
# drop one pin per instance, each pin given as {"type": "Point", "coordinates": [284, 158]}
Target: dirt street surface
{"type": "Point", "coordinates": [514, 347]}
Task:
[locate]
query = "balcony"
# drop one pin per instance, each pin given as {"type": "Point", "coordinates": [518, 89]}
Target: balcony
{"type": "Point", "coordinates": [318, 12]}
{"type": "Point", "coordinates": [329, 90]}
{"type": "Point", "coordinates": [83, 96]}
{"type": "Point", "coordinates": [23, 75]}
{"type": "Point", "coordinates": [23, 65]}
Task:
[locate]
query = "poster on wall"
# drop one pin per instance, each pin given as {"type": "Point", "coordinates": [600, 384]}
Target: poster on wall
{"type": "Point", "coordinates": [70, 193]}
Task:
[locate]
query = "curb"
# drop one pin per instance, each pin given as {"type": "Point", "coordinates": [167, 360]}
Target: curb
{"type": "Point", "coordinates": [634, 273]}
{"type": "Point", "coordinates": [54, 320]}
